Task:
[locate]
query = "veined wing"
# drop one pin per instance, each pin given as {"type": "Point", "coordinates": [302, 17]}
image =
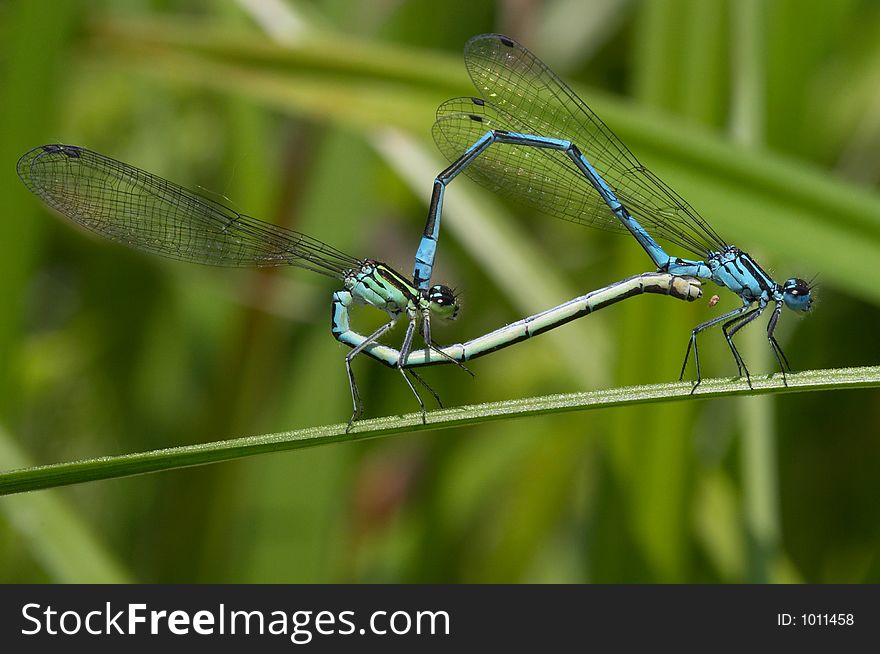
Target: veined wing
{"type": "Point", "coordinates": [148, 213]}
{"type": "Point", "coordinates": [521, 94]}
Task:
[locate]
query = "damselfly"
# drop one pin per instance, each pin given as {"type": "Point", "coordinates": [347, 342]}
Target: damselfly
{"type": "Point", "coordinates": [148, 213]}
{"type": "Point", "coordinates": [531, 137]}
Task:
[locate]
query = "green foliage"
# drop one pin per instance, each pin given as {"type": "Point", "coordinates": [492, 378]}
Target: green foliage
{"type": "Point", "coordinates": [762, 114]}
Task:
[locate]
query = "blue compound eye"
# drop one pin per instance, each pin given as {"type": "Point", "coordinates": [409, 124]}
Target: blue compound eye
{"type": "Point", "coordinates": [797, 295]}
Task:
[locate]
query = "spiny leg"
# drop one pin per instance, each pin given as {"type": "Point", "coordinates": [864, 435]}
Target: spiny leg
{"type": "Point", "coordinates": [432, 345]}
{"type": "Point", "coordinates": [406, 346]}
{"type": "Point", "coordinates": [425, 384]}
{"type": "Point", "coordinates": [403, 372]}
{"type": "Point", "coordinates": [435, 346]}
{"type": "Point", "coordinates": [357, 403]}
{"type": "Point", "coordinates": [405, 350]}
{"type": "Point", "coordinates": [355, 393]}
{"type": "Point", "coordinates": [738, 323]}
{"type": "Point", "coordinates": [781, 359]}
{"type": "Point", "coordinates": [693, 341]}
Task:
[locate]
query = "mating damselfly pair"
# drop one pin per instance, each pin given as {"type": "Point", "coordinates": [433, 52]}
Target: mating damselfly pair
{"type": "Point", "coordinates": [528, 136]}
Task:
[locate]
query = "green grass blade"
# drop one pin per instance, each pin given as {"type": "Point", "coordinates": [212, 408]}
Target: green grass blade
{"type": "Point", "coordinates": [126, 465]}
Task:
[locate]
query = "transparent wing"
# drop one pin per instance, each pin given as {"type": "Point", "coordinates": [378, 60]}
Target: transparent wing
{"type": "Point", "coordinates": [521, 94]}
{"type": "Point", "coordinates": [130, 206]}
{"type": "Point", "coordinates": [546, 179]}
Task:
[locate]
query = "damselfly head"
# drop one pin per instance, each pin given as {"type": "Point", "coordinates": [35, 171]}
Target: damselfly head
{"type": "Point", "coordinates": [443, 302]}
{"type": "Point", "coordinates": [797, 294]}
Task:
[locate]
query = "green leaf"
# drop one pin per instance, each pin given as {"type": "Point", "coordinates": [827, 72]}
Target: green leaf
{"type": "Point", "coordinates": [126, 465]}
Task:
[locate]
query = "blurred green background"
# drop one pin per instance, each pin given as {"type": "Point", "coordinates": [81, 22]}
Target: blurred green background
{"type": "Point", "coordinates": [317, 115]}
